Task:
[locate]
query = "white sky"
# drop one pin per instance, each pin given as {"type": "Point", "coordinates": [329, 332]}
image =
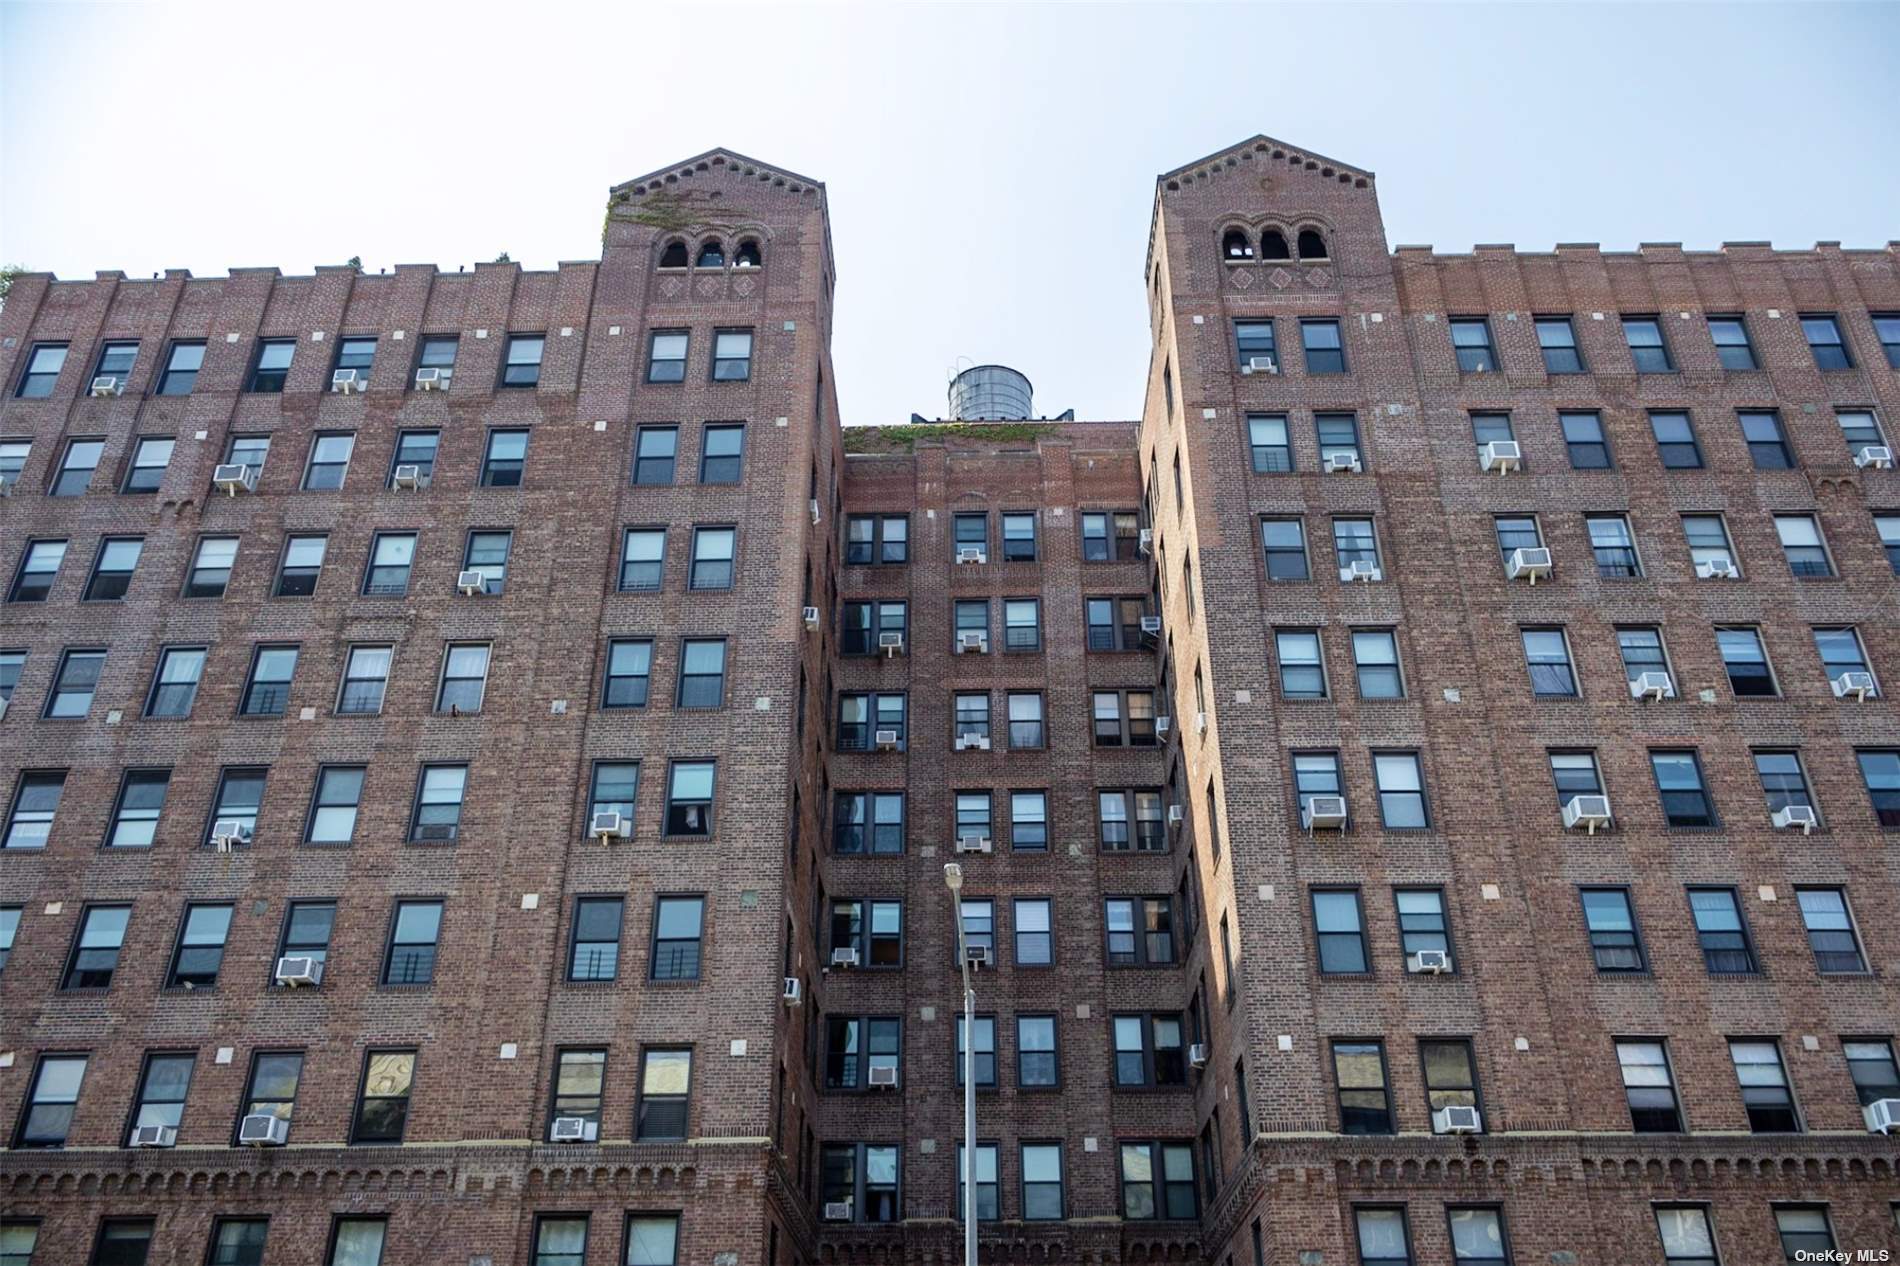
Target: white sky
{"type": "Point", "coordinates": [990, 167]}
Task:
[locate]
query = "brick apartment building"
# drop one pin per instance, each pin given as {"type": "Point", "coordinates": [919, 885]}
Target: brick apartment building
{"type": "Point", "coordinates": [481, 750]}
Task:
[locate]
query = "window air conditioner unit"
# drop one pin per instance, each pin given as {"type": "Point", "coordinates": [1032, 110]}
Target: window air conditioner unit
{"type": "Point", "coordinates": [1162, 725]}
{"type": "Point", "coordinates": [261, 1129]}
{"type": "Point", "coordinates": [1197, 1055]}
{"type": "Point", "coordinates": [794, 990]}
{"type": "Point", "coordinates": [1883, 1116]}
{"type": "Point", "coordinates": [892, 644]}
{"type": "Point", "coordinates": [1860, 685]}
{"type": "Point", "coordinates": [1529, 564]}
{"type": "Point", "coordinates": [811, 618]}
{"type": "Point", "coordinates": [472, 583]}
{"type": "Point", "coordinates": [973, 641]}
{"type": "Point", "coordinates": [1879, 456]}
{"type": "Point", "coordinates": [886, 740]}
{"type": "Point", "coordinates": [1151, 625]}
{"type": "Point", "coordinates": [973, 742]}
{"type": "Point", "coordinates": [978, 955]}
{"type": "Point", "coordinates": [1501, 455]}
{"type": "Point", "coordinates": [431, 379]}
{"type": "Point", "coordinates": [1361, 569]}
{"type": "Point", "coordinates": [973, 843]}
{"type": "Point", "coordinates": [1342, 462]}
{"type": "Point", "coordinates": [1145, 543]}
{"type": "Point", "coordinates": [970, 553]}
{"type": "Point", "coordinates": [1801, 815]}
{"type": "Point", "coordinates": [228, 834]}
{"type": "Point", "coordinates": [1428, 962]}
{"type": "Point", "coordinates": [295, 970]}
{"type": "Point", "coordinates": [233, 478]}
{"type": "Point", "coordinates": [1456, 1120]}
{"type": "Point", "coordinates": [153, 1136]}
{"type": "Point", "coordinates": [608, 826]}
{"type": "Point", "coordinates": [1200, 722]}
{"type": "Point", "coordinates": [814, 510]}
{"type": "Point", "coordinates": [1716, 569]}
{"type": "Point", "coordinates": [110, 385]}
{"type": "Point", "coordinates": [1589, 812]}
{"type": "Point", "coordinates": [407, 477]}
{"type": "Point", "coordinates": [838, 1211]}
{"type": "Point", "coordinates": [573, 1130]}
{"type": "Point", "coordinates": [1260, 365]}
{"type": "Point", "coordinates": [883, 1077]}
{"type": "Point", "coordinates": [1324, 813]}
{"type": "Point", "coordinates": [346, 381]}
{"type": "Point", "coordinates": [1652, 685]}
{"type": "Point", "coordinates": [1176, 815]}
{"type": "Point", "coordinates": [845, 956]}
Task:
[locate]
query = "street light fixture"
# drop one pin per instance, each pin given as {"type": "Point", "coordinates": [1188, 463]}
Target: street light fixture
{"type": "Point", "coordinates": [953, 879]}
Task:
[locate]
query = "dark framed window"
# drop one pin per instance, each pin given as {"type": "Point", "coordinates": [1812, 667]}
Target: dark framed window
{"type": "Point", "coordinates": [1302, 664]}
{"type": "Point", "coordinates": [1516, 532]}
{"type": "Point", "coordinates": [593, 951]}
{"type": "Point", "coordinates": [560, 1241]}
{"type": "Point", "coordinates": [1158, 1181]}
{"type": "Point", "coordinates": [1589, 448]}
{"type": "Point", "coordinates": [39, 565]}
{"type": "Point", "coordinates": [1355, 541]}
{"type": "Point", "coordinates": [875, 929]}
{"type": "Point", "coordinates": [1124, 718]}
{"type": "Point", "coordinates": [1547, 659]}
{"type": "Point", "coordinates": [1365, 1097]}
{"type": "Point", "coordinates": [1685, 797]}
{"type": "Point", "coordinates": [354, 356]}
{"type": "Point", "coordinates": [1880, 771]}
{"type": "Point", "coordinates": [272, 1087]}
{"type": "Point", "coordinates": [1823, 333]}
{"type": "Point", "coordinates": [486, 554]}
{"type": "Point", "coordinates": [1339, 929]}
{"type": "Point", "coordinates": [1830, 927]}
{"type": "Point", "coordinates": [1767, 442]}
{"type": "Point", "coordinates": [862, 716]}
{"type": "Point", "coordinates": [652, 1239]}
{"type": "Point", "coordinates": [1841, 653]}
{"type": "Point", "coordinates": [1338, 435]}
{"type": "Point", "coordinates": [689, 798]}
{"type": "Point", "coordinates": [413, 933]}
{"type": "Point", "coordinates": [1861, 430]}
{"type": "Point", "coordinates": [1888, 526]}
{"type": "Point", "coordinates": [357, 1241]}
{"type": "Point", "coordinates": [210, 567]}
{"type": "Point", "coordinates": [505, 460]}
{"type": "Point", "coordinates": [1025, 720]}
{"type": "Point", "coordinates": [655, 454]}
{"type": "Point", "coordinates": [1766, 1094]}
{"type": "Point", "coordinates": [1022, 624]}
{"type": "Point", "coordinates": [307, 929]}
{"type": "Point", "coordinates": [629, 670]}
{"type": "Point", "coordinates": [365, 679]}
{"type": "Point", "coordinates": [1114, 624]}
{"type": "Point", "coordinates": [464, 678]}
{"type": "Point", "coordinates": [1732, 345]}
{"type": "Point", "coordinates": [861, 624]}
{"type": "Point", "coordinates": [1491, 428]}
{"type": "Point", "coordinates": [666, 355]}
{"type": "Point", "coordinates": [1034, 926]}
{"type": "Point", "coordinates": [391, 556]}
{"type": "Point", "coordinates": [1320, 341]}
{"type": "Point", "coordinates": [1384, 1236]}
{"type": "Point", "coordinates": [267, 686]}
{"type": "Point", "coordinates": [1149, 1049]}
{"type": "Point", "coordinates": [579, 1086]}
{"type": "Point", "coordinates": [855, 1044]}
{"type": "Point", "coordinates": [711, 566]}
{"type": "Point", "coordinates": [1676, 442]}
{"type": "Point", "coordinates": [666, 1083]}
{"type": "Point", "coordinates": [438, 813]}
{"type": "Point", "coordinates": [51, 1101]}
{"type": "Point", "coordinates": [1019, 538]}
{"type": "Point", "coordinates": [1269, 443]}
{"type": "Point", "coordinates": [1423, 922]}
{"type": "Point", "coordinates": [1036, 1060]}
{"type": "Point", "coordinates": [199, 951]}
{"type": "Point", "coordinates": [1284, 541]}
{"type": "Point", "coordinates": [1557, 339]}
{"type": "Point", "coordinates": [70, 696]}
{"type": "Point", "coordinates": [521, 364]}
{"type": "Point", "coordinates": [1610, 921]}
{"type": "Point", "coordinates": [272, 366]}
{"type": "Point", "coordinates": [1131, 821]}
{"type": "Point", "coordinates": [1451, 1075]}
{"type": "Point", "coordinates": [1575, 774]}
{"type": "Point", "coordinates": [151, 454]}
{"type": "Point", "coordinates": [722, 453]}
{"type": "Point", "coordinates": [861, 1177]}
{"type": "Point", "coordinates": [678, 925]}
{"type": "Point", "coordinates": [239, 798]}
{"type": "Point", "coordinates": [642, 559]}
{"type": "Point", "coordinates": [329, 462]}
{"type": "Point", "coordinates": [123, 1242]}
{"type": "Point", "coordinates": [43, 364]}
{"type": "Point", "coordinates": [382, 1102]}
{"type": "Point", "coordinates": [96, 945]}
{"type": "Point", "coordinates": [1648, 348]}
{"type": "Point", "coordinates": [175, 682]}
{"type": "Point", "coordinates": [1719, 929]}
{"type": "Point", "coordinates": [1140, 931]}
{"type": "Point", "coordinates": [1870, 1064]}
{"type": "Point", "coordinates": [437, 352]}
{"type": "Point", "coordinates": [1804, 1229]}
{"type": "Point", "coordinates": [181, 369]}
{"type": "Point", "coordinates": [1642, 651]}
{"type": "Point", "coordinates": [76, 468]}
{"type": "Point", "coordinates": [1613, 546]}
{"type": "Point", "coordinates": [1783, 782]}
{"type": "Point", "coordinates": [136, 811]}
{"type": "Point", "coordinates": [979, 930]}
{"type": "Point", "coordinates": [1687, 1237]}
{"type": "Point", "coordinates": [872, 539]}
{"type": "Point", "coordinates": [1887, 330]}
{"type": "Point", "coordinates": [1746, 662]}
{"type": "Point", "coordinates": [301, 565]}
{"type": "Point", "coordinates": [616, 785]}
{"type": "Point", "coordinates": [1375, 658]}
{"type": "Point", "coordinates": [702, 679]}
{"type": "Point", "coordinates": [1400, 780]}
{"type": "Point", "coordinates": [238, 1241]}
{"type": "Point", "coordinates": [1649, 1086]}
{"type": "Point", "coordinates": [868, 822]}
{"type": "Point", "coordinates": [1254, 340]}
{"type": "Point", "coordinates": [732, 355]}
{"type": "Point", "coordinates": [414, 456]}
{"type": "Point", "coordinates": [971, 532]}
{"type": "Point", "coordinates": [1803, 545]}
{"type": "Point", "coordinates": [1471, 341]}
{"type": "Point", "coordinates": [1042, 1182]}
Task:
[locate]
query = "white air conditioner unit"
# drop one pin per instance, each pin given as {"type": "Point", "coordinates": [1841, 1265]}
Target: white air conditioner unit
{"type": "Point", "coordinates": [973, 843]}
{"type": "Point", "coordinates": [794, 990]}
{"type": "Point", "coordinates": [1879, 456]}
{"type": "Point", "coordinates": [978, 955]}
{"type": "Point", "coordinates": [811, 618]}
{"type": "Point", "coordinates": [845, 956]}
{"type": "Point", "coordinates": [1428, 962]}
{"type": "Point", "coordinates": [573, 1130]}
{"type": "Point", "coordinates": [838, 1211]}
{"type": "Point", "coordinates": [430, 378]}
{"type": "Point", "coordinates": [1361, 569]}
{"type": "Point", "coordinates": [233, 478]}
{"type": "Point", "coordinates": [892, 644]}
{"type": "Point", "coordinates": [1197, 1055]}
{"type": "Point", "coordinates": [1337, 463]}
{"type": "Point", "coordinates": [815, 516]}
{"type": "Point", "coordinates": [1200, 722]}
{"type": "Point", "coordinates": [1588, 812]}
{"type": "Point", "coordinates": [973, 641]}
{"type": "Point", "coordinates": [881, 1077]}
{"type": "Point", "coordinates": [1456, 1120]}
{"type": "Point", "coordinates": [1652, 685]}
{"type": "Point", "coordinates": [347, 381]}
{"type": "Point", "coordinates": [1796, 815]}
{"type": "Point", "coordinates": [972, 742]}
{"type": "Point", "coordinates": [108, 385]}
{"type": "Point", "coordinates": [1176, 815]}
{"type": "Point", "coordinates": [1145, 543]}
{"type": "Point", "coordinates": [885, 740]}
{"type": "Point", "coordinates": [1162, 725]}
{"type": "Point", "coordinates": [1151, 625]}
{"type": "Point", "coordinates": [1260, 365]}
{"type": "Point", "coordinates": [970, 553]}
{"type": "Point", "coordinates": [610, 825]}
{"type": "Point", "coordinates": [1501, 456]}
{"type": "Point", "coordinates": [261, 1129]}
{"type": "Point", "coordinates": [1529, 564]}
{"type": "Point", "coordinates": [1883, 1116]}
{"type": "Point", "coordinates": [406, 477]}
{"type": "Point", "coordinates": [1717, 569]}
{"type": "Point", "coordinates": [153, 1136]}
{"type": "Point", "coordinates": [1860, 685]}
{"type": "Point", "coordinates": [228, 834]}
{"type": "Point", "coordinates": [472, 583]}
{"type": "Point", "coordinates": [296, 970]}
{"type": "Point", "coordinates": [1324, 813]}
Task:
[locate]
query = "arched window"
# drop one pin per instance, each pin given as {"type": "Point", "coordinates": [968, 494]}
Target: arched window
{"type": "Point", "coordinates": [1273, 245]}
{"type": "Point", "coordinates": [748, 256]}
{"type": "Point", "coordinates": [1235, 245]}
{"type": "Point", "coordinates": [674, 256]}
{"type": "Point", "coordinates": [711, 254]}
{"type": "Point", "coordinates": [1312, 245]}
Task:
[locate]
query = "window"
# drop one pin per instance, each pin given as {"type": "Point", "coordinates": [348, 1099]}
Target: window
{"type": "Point", "coordinates": [979, 926]}
{"type": "Point", "coordinates": [273, 1085]}
{"type": "Point", "coordinates": [365, 678]}
{"type": "Point", "coordinates": [487, 555]}
{"type": "Point", "coordinates": [1025, 720]}
{"type": "Point", "coordinates": [656, 448]}
{"type": "Point", "coordinates": [1022, 624]}
{"type": "Point", "coordinates": [1471, 340]}
{"type": "Point", "coordinates": [1613, 546]}
{"type": "Point", "coordinates": [642, 559]}
{"type": "Point", "coordinates": [38, 566]}
{"type": "Point", "coordinates": [302, 563]}
{"type": "Point", "coordinates": [13, 460]}
{"type": "Point", "coordinates": [1042, 1181]}
{"type": "Point", "coordinates": [95, 953]}
{"type": "Point", "coordinates": [1802, 545]}
{"type": "Point", "coordinates": [560, 1241]}
{"type": "Point", "coordinates": [1746, 662]}
{"type": "Point", "coordinates": [863, 622]}
{"type": "Point", "coordinates": [1311, 245]}
{"type": "Point", "coordinates": [123, 1242]}
{"type": "Point", "coordinates": [1558, 340]}
{"type": "Point", "coordinates": [273, 365]}
{"type": "Point", "coordinates": [391, 555]}
{"type": "Point", "coordinates": [74, 683]}
{"type": "Point", "coordinates": [1647, 346]}
{"type": "Point", "coordinates": [1035, 937]}
{"type": "Point", "coordinates": [1880, 770]}
{"type": "Point", "coordinates": [1375, 657]}
{"type": "Point", "coordinates": [438, 353]}
{"type": "Point", "coordinates": [438, 814]}
{"type": "Point", "coordinates": [868, 822]}
{"type": "Point", "coordinates": [861, 1176]}
{"type": "Point", "coordinates": [732, 355]}
{"type": "Point", "coordinates": [1767, 443]}
{"type": "Point", "coordinates": [1319, 339]}
{"type": "Point", "coordinates": [1649, 1087]}
{"type": "Point", "coordinates": [652, 1241]}
{"type": "Point", "coordinates": [712, 558]}
{"type": "Point", "coordinates": [1575, 774]}
{"type": "Point", "coordinates": [616, 783]}
{"type": "Point", "coordinates": [1267, 439]}
{"type": "Point", "coordinates": [1584, 438]}
{"type": "Point", "coordinates": [51, 1102]}
{"type": "Point", "coordinates": [593, 953]}
{"type": "Point", "coordinates": [329, 462]}
{"type": "Point", "coordinates": [1019, 538]}
{"type": "Point", "coordinates": [1675, 440]}
{"type": "Point", "coordinates": [1401, 784]}
{"type": "Point", "coordinates": [1642, 652]}
{"type": "Point", "coordinates": [505, 460]}
{"type": "Point", "coordinates": [1611, 923]}
{"type": "Point", "coordinates": [181, 369]}
{"type": "Point", "coordinates": [1516, 532]}
{"type": "Point", "coordinates": [382, 1103]}
{"type": "Point", "coordinates": [1036, 1051]}
{"type": "Point", "coordinates": [238, 1241]}
{"type": "Point", "coordinates": [1782, 781]}
{"type": "Point", "coordinates": [972, 532]}
{"type": "Point", "coordinates": [307, 930]}
{"type": "Point", "coordinates": [412, 943]}
{"type": "Point", "coordinates": [1253, 340]}
{"type": "Point", "coordinates": [1422, 922]}
{"type": "Point", "coordinates": [1805, 1233]}
{"type": "Point", "coordinates": [522, 365]}
{"type": "Point", "coordinates": [1547, 657]}
{"type": "Point", "coordinates": [175, 684]}
{"type": "Point", "coordinates": [1870, 1064]}
{"type": "Point", "coordinates": [722, 453]}
{"type": "Point", "coordinates": [860, 716]}
{"type": "Point", "coordinates": [1685, 799]}
{"type": "Point", "coordinates": [855, 1043]}
{"type": "Point", "coordinates": [1149, 1051]}
{"type": "Point", "coordinates": [1888, 526]}
{"type": "Point", "coordinates": [1384, 1237]}
{"type": "Point", "coordinates": [1158, 1181]}
{"type": "Point", "coordinates": [1841, 652]}
{"type": "Point", "coordinates": [1140, 810]}
{"type": "Point", "coordinates": [1338, 438]}
{"type": "Point", "coordinates": [42, 371]}
{"type": "Point", "coordinates": [358, 1242]}
{"type": "Point", "coordinates": [1451, 1076]}
{"type": "Point", "coordinates": [580, 1082]}
{"type": "Point", "coordinates": [355, 356]}
{"type": "Point", "coordinates": [1732, 346]}
{"type": "Point", "coordinates": [878, 935]}
{"type": "Point", "coordinates": [1764, 1084]}
{"type": "Point", "coordinates": [1285, 543]}
{"type": "Point", "coordinates": [702, 682]}
{"type": "Point", "coordinates": [210, 567]}
{"type": "Point", "coordinates": [1824, 339]}
{"type": "Point", "coordinates": [1354, 542]}
{"type": "Point", "coordinates": [878, 538]}
{"type": "Point", "coordinates": [464, 678]}
{"type": "Point", "coordinates": [1887, 330]}
{"type": "Point", "coordinates": [1124, 718]}
{"type": "Point", "coordinates": [135, 813]}
{"type": "Point", "coordinates": [689, 798]}
{"type": "Point", "coordinates": [76, 468]}
{"type": "Point", "coordinates": [1302, 671]}
{"type": "Point", "coordinates": [267, 688]}
{"type": "Point", "coordinates": [1831, 932]}
{"type": "Point", "coordinates": [1491, 428]}
{"type": "Point", "coordinates": [666, 355]}
{"type": "Point", "coordinates": [1339, 931]}
{"type": "Point", "coordinates": [1686, 1237]}
{"type": "Point", "coordinates": [12, 664]}
{"type": "Point", "coordinates": [1860, 429]}
{"type": "Point", "coordinates": [150, 456]}
{"type": "Point", "coordinates": [666, 1075]}
{"type": "Point", "coordinates": [1365, 1103]}
{"type": "Point", "coordinates": [677, 926]}
{"type": "Point", "coordinates": [1140, 931]}
{"type": "Point", "coordinates": [1719, 929]}
{"type": "Point", "coordinates": [200, 948]}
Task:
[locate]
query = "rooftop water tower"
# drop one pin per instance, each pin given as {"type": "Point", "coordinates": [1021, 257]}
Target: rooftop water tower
{"type": "Point", "coordinates": [989, 393]}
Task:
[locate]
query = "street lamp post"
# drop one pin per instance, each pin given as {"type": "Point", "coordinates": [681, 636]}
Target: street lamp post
{"type": "Point", "coordinates": [953, 879]}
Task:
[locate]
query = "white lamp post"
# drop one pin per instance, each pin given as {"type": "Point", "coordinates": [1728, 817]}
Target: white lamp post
{"type": "Point", "coordinates": [953, 879]}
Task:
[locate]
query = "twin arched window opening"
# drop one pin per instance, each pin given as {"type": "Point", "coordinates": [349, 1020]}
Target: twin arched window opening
{"type": "Point", "coordinates": [1237, 245]}
{"type": "Point", "coordinates": [712, 254]}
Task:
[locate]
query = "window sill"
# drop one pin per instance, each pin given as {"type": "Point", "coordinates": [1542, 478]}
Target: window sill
{"type": "Point", "coordinates": [676, 982]}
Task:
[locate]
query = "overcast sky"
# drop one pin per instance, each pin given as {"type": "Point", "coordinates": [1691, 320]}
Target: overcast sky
{"type": "Point", "coordinates": [990, 168]}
